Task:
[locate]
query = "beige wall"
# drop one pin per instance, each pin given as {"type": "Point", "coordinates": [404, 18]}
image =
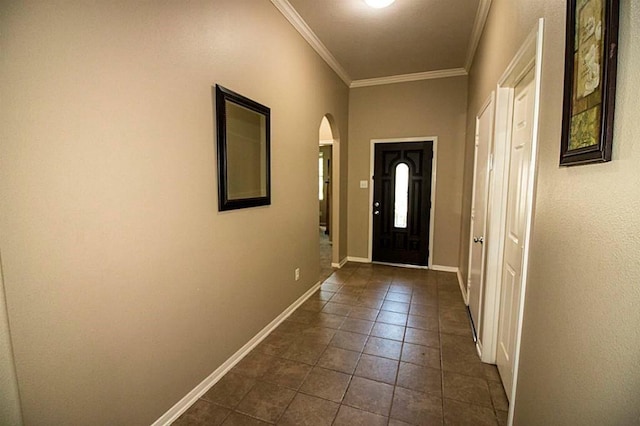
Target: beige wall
{"type": "Point", "coordinates": [125, 287]}
{"type": "Point", "coordinates": [402, 110]}
{"type": "Point", "coordinates": [580, 345]}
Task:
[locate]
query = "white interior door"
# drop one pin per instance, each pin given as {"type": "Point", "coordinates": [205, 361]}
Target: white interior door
{"type": "Point", "coordinates": [518, 183]}
{"type": "Point", "coordinates": [477, 244]}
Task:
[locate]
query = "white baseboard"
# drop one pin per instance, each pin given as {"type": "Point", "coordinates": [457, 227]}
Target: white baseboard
{"type": "Point", "coordinates": [189, 399]}
{"type": "Point", "coordinates": [358, 259]}
{"type": "Point", "coordinates": [444, 268]}
{"type": "Point", "coordinates": [341, 264]}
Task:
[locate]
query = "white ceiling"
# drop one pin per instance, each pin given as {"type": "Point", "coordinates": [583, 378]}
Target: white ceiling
{"type": "Point", "coordinates": [409, 40]}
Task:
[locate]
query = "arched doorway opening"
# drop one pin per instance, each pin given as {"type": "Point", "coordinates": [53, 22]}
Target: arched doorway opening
{"type": "Point", "coordinates": [328, 195]}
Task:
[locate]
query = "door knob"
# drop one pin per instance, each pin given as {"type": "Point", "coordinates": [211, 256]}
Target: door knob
{"type": "Point", "coordinates": [377, 212]}
{"type": "Point", "coordinates": [478, 240]}
{"type": "Point", "coordinates": [376, 204]}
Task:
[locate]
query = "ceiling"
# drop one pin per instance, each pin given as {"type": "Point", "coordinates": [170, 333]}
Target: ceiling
{"type": "Point", "coordinates": [409, 40]}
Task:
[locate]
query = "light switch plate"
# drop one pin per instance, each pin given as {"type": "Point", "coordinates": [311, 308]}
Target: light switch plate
{"type": "Point", "coordinates": [364, 184]}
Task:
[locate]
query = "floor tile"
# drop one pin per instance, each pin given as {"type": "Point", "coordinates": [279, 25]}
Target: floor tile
{"type": "Point", "coordinates": [421, 355]}
{"type": "Point", "coordinates": [239, 419]}
{"type": "Point", "coordinates": [398, 297]}
{"type": "Point", "coordinates": [396, 422]}
{"type": "Point", "coordinates": [203, 413]}
{"type": "Point", "coordinates": [287, 373]}
{"type": "Point", "coordinates": [364, 313]}
{"type": "Point", "coordinates": [357, 325]}
{"type": "Point", "coordinates": [422, 337]}
{"type": "Point", "coordinates": [328, 320]}
{"type": "Point", "coordinates": [229, 390]}
{"type": "Point", "coordinates": [303, 317]}
{"type": "Point", "coordinates": [498, 397]}
{"type": "Point", "coordinates": [336, 309]}
{"type": "Point", "coordinates": [339, 360]}
{"type": "Point", "coordinates": [307, 410]}
{"type": "Point", "coordinates": [400, 288]}
{"type": "Point", "coordinates": [290, 328]}
{"type": "Point", "coordinates": [369, 395]}
{"type": "Point", "coordinates": [388, 331]}
{"type": "Point", "coordinates": [255, 364]}
{"type": "Point", "coordinates": [349, 416]}
{"type": "Point", "coordinates": [330, 286]}
{"type": "Point", "coordinates": [383, 347]}
{"type": "Point", "coordinates": [459, 355]}
{"type": "Point", "coordinates": [314, 334]}
{"type": "Point", "coordinates": [313, 305]}
{"type": "Point", "coordinates": [304, 352]}
{"type": "Point", "coordinates": [388, 317]}
{"type": "Point", "coordinates": [399, 307]}
{"type": "Point", "coordinates": [347, 299]}
{"type": "Point", "coordinates": [275, 344]}
{"type": "Point", "coordinates": [322, 295]}
{"type": "Point", "coordinates": [421, 379]}
{"type": "Point", "coordinates": [416, 407]}
{"type": "Point", "coordinates": [348, 340]}
{"type": "Point", "coordinates": [459, 413]}
{"type": "Point", "coordinates": [376, 285]}
{"type": "Point", "coordinates": [491, 373]}
{"type": "Point", "coordinates": [266, 401]}
{"type": "Point", "coordinates": [326, 384]}
{"type": "Point", "coordinates": [422, 310]}
{"type": "Point", "coordinates": [377, 368]}
{"type": "Point", "coordinates": [503, 417]}
{"type": "Point", "coordinates": [369, 302]}
{"type": "Point", "coordinates": [466, 389]}
{"type": "Point", "coordinates": [374, 338]}
{"type": "Point", "coordinates": [424, 323]}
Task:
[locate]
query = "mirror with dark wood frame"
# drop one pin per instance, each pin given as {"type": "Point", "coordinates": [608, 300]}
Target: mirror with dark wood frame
{"type": "Point", "coordinates": [244, 175]}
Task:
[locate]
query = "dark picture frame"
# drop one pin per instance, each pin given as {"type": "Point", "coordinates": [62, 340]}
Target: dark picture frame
{"type": "Point", "coordinates": [589, 81]}
{"type": "Point", "coordinates": [244, 151]}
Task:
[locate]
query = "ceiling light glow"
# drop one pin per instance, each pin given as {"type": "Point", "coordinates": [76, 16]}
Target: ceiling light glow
{"type": "Point", "coordinates": [379, 4]}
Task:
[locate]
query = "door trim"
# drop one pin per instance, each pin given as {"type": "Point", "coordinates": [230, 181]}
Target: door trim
{"type": "Point", "coordinates": [434, 141]}
{"type": "Point", "coordinates": [528, 57]}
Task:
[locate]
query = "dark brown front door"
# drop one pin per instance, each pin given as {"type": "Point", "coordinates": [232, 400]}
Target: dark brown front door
{"type": "Point", "coordinates": [402, 202]}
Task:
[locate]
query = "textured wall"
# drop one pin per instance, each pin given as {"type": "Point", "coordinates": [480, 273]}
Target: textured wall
{"type": "Point", "coordinates": [125, 287]}
{"type": "Point", "coordinates": [402, 110]}
{"type": "Point", "coordinates": [580, 357]}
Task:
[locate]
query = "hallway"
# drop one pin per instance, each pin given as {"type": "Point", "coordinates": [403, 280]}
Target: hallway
{"type": "Point", "coordinates": [376, 345]}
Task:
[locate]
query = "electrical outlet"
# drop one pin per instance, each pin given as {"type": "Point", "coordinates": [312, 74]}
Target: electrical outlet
{"type": "Point", "coordinates": [296, 273]}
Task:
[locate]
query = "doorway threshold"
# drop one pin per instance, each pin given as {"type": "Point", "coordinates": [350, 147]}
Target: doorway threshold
{"type": "Point", "coordinates": [402, 265]}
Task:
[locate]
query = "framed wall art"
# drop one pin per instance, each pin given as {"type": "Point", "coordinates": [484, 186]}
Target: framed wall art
{"type": "Point", "coordinates": [589, 81]}
{"type": "Point", "coordinates": [244, 142]}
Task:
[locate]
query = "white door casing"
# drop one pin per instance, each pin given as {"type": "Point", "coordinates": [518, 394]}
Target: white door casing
{"type": "Point", "coordinates": [513, 258]}
{"type": "Point", "coordinates": [480, 196]}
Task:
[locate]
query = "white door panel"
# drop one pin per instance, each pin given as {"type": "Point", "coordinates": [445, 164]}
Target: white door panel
{"type": "Point", "coordinates": [477, 245]}
{"type": "Point", "coordinates": [519, 164]}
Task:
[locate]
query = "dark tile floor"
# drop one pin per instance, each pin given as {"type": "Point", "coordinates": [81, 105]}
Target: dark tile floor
{"type": "Point", "coordinates": [325, 254]}
{"type": "Point", "coordinates": [376, 345]}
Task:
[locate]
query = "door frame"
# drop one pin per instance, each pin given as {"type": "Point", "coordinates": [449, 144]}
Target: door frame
{"type": "Point", "coordinates": [434, 141]}
{"type": "Point", "coordinates": [528, 57]}
{"type": "Point", "coordinates": [489, 106]}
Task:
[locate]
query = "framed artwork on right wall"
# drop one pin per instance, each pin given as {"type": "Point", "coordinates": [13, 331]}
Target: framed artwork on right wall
{"type": "Point", "coordinates": [589, 81]}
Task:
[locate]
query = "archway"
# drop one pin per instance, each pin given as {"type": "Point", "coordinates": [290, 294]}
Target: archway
{"type": "Point", "coordinates": [328, 195]}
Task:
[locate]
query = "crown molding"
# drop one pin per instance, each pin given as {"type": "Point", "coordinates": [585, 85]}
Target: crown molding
{"type": "Point", "coordinates": [476, 33]}
{"type": "Point", "coordinates": [301, 26]}
{"type": "Point", "coordinates": [428, 75]}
